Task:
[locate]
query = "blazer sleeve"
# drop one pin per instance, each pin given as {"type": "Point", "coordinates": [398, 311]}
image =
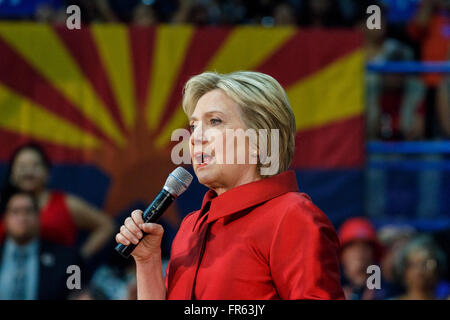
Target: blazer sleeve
{"type": "Point", "coordinates": [304, 255]}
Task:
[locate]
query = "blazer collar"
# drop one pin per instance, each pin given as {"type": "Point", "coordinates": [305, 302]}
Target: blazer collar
{"type": "Point", "coordinates": [248, 195]}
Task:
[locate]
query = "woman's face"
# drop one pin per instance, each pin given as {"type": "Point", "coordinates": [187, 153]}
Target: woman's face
{"type": "Point", "coordinates": [214, 116]}
{"type": "Point", "coordinates": [421, 270]}
{"type": "Point", "coordinates": [356, 257]}
{"type": "Point", "coordinates": [21, 218]}
{"type": "Point", "coordinates": [28, 171]}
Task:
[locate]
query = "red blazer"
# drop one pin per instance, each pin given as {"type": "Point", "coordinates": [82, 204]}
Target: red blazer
{"type": "Point", "coordinates": [262, 240]}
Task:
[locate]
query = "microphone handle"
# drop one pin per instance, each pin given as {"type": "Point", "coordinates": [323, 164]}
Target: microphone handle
{"type": "Point", "coordinates": [152, 214]}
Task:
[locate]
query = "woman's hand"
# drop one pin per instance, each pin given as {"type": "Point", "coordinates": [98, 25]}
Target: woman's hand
{"type": "Point", "coordinates": [147, 254]}
{"type": "Point", "coordinates": [99, 225]}
{"type": "Point", "coordinates": [133, 230]}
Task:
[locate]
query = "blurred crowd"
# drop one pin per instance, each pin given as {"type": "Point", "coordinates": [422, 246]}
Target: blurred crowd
{"type": "Point", "coordinates": [399, 106]}
{"type": "Point", "coordinates": [40, 229]}
{"type": "Point", "coordinates": [413, 265]}
{"type": "Point", "coordinates": [326, 13]}
{"type": "Point", "coordinates": [403, 106]}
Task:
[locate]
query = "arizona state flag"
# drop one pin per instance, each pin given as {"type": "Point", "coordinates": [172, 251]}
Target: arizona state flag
{"type": "Point", "coordinates": [104, 100]}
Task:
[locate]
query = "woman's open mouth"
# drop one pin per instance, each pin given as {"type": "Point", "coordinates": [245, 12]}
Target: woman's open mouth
{"type": "Point", "coordinates": [202, 159]}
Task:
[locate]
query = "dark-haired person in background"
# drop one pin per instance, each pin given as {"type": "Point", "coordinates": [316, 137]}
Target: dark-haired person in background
{"type": "Point", "coordinates": [31, 268]}
{"type": "Point", "coordinates": [61, 215]}
{"type": "Point", "coordinates": [420, 266]}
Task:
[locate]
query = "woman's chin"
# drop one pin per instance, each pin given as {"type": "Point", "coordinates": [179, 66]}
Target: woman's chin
{"type": "Point", "coordinates": [205, 173]}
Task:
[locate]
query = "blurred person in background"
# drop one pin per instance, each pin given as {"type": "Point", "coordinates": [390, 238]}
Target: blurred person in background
{"type": "Point", "coordinates": [284, 14]}
{"type": "Point", "coordinates": [443, 103]}
{"type": "Point", "coordinates": [393, 239]}
{"type": "Point", "coordinates": [144, 15]}
{"type": "Point", "coordinates": [197, 12]}
{"type": "Point", "coordinates": [260, 12]}
{"type": "Point", "coordinates": [31, 268]}
{"type": "Point", "coordinates": [431, 29]}
{"type": "Point", "coordinates": [46, 12]}
{"type": "Point", "coordinates": [95, 11]}
{"type": "Point", "coordinates": [420, 266]}
{"type": "Point", "coordinates": [115, 279]}
{"type": "Point", "coordinates": [83, 294]}
{"type": "Point", "coordinates": [397, 108]}
{"type": "Point", "coordinates": [61, 215]}
{"type": "Point", "coordinates": [320, 14]}
{"type": "Point", "coordinates": [394, 102]}
{"type": "Point", "coordinates": [354, 11]}
{"type": "Point", "coordinates": [360, 248]}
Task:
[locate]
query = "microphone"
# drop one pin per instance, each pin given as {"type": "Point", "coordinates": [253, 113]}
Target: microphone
{"type": "Point", "coordinates": [177, 182]}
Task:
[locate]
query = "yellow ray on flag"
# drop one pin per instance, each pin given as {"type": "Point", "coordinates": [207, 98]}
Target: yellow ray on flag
{"type": "Point", "coordinates": [22, 116]}
{"type": "Point", "coordinates": [41, 47]}
{"type": "Point", "coordinates": [331, 94]}
{"type": "Point", "coordinates": [170, 51]}
{"type": "Point", "coordinates": [247, 47]}
{"type": "Point", "coordinates": [244, 49]}
{"type": "Point", "coordinates": [114, 48]}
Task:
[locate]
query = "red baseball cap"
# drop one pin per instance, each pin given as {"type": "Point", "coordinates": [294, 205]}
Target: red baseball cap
{"type": "Point", "coordinates": [360, 228]}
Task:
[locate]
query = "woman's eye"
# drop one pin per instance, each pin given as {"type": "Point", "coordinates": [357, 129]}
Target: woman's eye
{"type": "Point", "coordinates": [215, 121]}
{"type": "Point", "coordinates": [192, 127]}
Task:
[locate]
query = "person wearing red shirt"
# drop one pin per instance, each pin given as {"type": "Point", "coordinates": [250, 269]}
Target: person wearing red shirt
{"type": "Point", "coordinates": [255, 236]}
{"type": "Point", "coordinates": [61, 215]}
{"type": "Point", "coordinates": [431, 29]}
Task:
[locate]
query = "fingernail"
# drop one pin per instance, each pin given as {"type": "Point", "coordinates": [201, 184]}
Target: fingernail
{"type": "Point", "coordinates": [140, 234]}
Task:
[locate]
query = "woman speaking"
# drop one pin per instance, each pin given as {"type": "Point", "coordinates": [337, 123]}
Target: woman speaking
{"type": "Point", "coordinates": [255, 236]}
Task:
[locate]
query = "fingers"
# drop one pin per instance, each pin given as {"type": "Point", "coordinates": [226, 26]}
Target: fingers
{"type": "Point", "coordinates": [121, 239]}
{"type": "Point", "coordinates": [133, 228]}
{"type": "Point", "coordinates": [129, 235]}
{"type": "Point", "coordinates": [130, 232]}
{"type": "Point", "coordinates": [136, 215]}
{"type": "Point", "coordinates": [153, 228]}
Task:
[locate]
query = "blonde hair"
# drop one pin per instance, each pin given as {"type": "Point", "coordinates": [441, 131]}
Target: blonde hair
{"type": "Point", "coordinates": [262, 101]}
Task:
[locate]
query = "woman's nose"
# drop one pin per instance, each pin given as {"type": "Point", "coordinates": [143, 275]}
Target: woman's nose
{"type": "Point", "coordinates": [198, 135]}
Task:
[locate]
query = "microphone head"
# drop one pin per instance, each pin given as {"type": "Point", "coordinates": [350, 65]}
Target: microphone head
{"type": "Point", "coordinates": [178, 181]}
